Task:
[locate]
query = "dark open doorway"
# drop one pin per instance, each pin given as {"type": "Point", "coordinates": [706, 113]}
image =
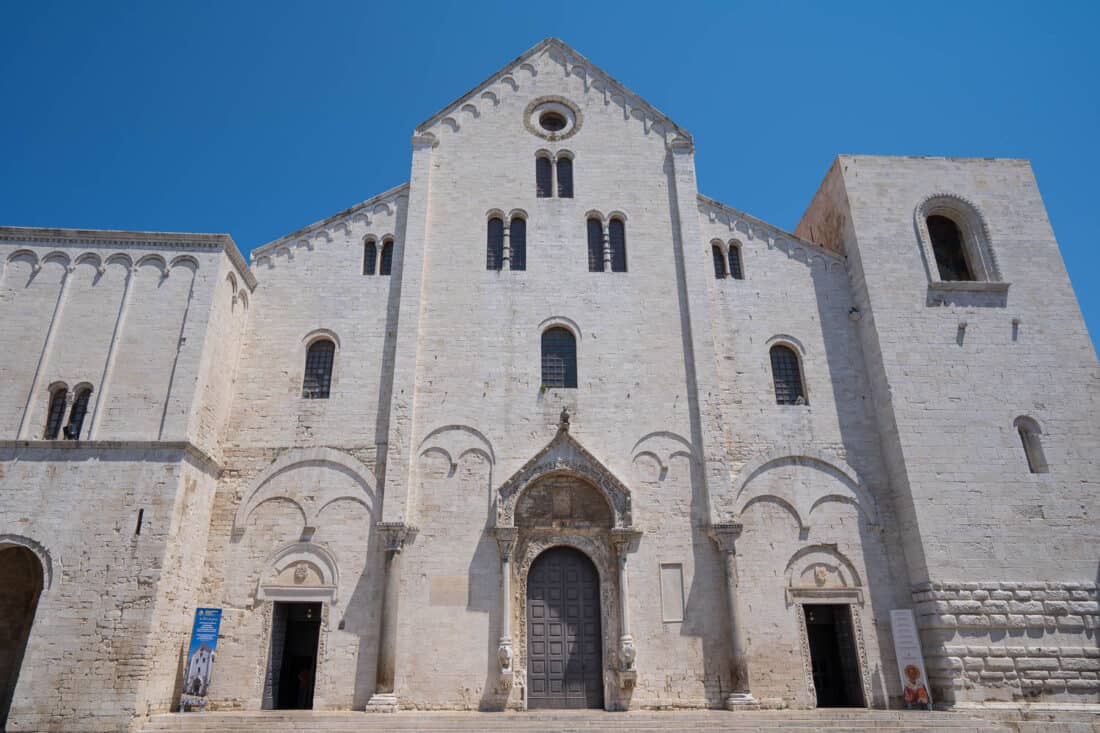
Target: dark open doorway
{"type": "Point", "coordinates": [20, 586]}
{"type": "Point", "coordinates": [292, 662]}
{"type": "Point", "coordinates": [833, 656]}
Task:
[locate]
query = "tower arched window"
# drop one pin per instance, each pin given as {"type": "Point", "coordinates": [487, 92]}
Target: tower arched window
{"type": "Point", "coordinates": [370, 256]}
{"type": "Point", "coordinates": [719, 261]}
{"type": "Point", "coordinates": [616, 235]}
{"type": "Point", "coordinates": [559, 358]}
{"type": "Point", "coordinates": [565, 177]}
{"type": "Point", "coordinates": [948, 248]}
{"type": "Point", "coordinates": [76, 415]}
{"type": "Point", "coordinates": [544, 177]}
{"type": "Point", "coordinates": [494, 245]}
{"type": "Point", "coordinates": [385, 262]}
{"type": "Point", "coordinates": [318, 376]}
{"type": "Point", "coordinates": [56, 415]}
{"type": "Point", "coordinates": [1033, 445]}
{"type": "Point", "coordinates": [787, 376]}
{"type": "Point", "coordinates": [735, 263]}
{"type": "Point", "coordinates": [517, 242]}
{"type": "Point", "coordinates": [595, 245]}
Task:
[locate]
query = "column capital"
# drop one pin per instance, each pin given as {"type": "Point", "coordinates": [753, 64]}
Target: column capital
{"type": "Point", "coordinates": [506, 540]}
{"type": "Point", "coordinates": [725, 535]}
{"type": "Point", "coordinates": [395, 535]}
{"type": "Point", "coordinates": [625, 539]}
{"type": "Point", "coordinates": [427, 140]}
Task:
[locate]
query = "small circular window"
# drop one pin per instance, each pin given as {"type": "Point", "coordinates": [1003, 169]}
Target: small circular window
{"type": "Point", "coordinates": [552, 121]}
{"type": "Point", "coordinates": [552, 118]}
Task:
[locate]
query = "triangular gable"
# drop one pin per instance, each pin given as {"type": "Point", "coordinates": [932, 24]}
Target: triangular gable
{"type": "Point", "coordinates": [565, 455]}
{"type": "Point", "coordinates": [508, 79]}
{"type": "Point", "coordinates": [354, 218]}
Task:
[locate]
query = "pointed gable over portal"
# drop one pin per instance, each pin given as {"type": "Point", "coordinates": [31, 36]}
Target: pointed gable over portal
{"type": "Point", "coordinates": [565, 456]}
{"type": "Point", "coordinates": [549, 56]}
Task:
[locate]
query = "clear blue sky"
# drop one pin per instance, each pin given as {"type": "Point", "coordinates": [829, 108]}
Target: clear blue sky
{"type": "Point", "coordinates": [257, 118]}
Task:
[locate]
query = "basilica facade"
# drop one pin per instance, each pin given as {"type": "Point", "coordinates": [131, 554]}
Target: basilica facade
{"type": "Point", "coordinates": [547, 427]}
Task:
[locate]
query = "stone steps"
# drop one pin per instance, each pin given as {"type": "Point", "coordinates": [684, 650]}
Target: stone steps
{"type": "Point", "coordinates": [788, 721]}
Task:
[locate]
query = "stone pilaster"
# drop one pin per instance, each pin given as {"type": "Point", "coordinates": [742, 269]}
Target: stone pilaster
{"type": "Point", "coordinates": [393, 536]}
{"type": "Point", "coordinates": [725, 538]}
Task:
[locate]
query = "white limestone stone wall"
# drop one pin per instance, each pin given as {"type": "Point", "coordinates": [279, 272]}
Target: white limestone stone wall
{"type": "Point", "coordinates": [951, 371]}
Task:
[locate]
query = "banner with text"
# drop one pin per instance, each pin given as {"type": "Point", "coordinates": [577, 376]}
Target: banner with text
{"type": "Point", "coordinates": [914, 681]}
{"type": "Point", "coordinates": [200, 657]}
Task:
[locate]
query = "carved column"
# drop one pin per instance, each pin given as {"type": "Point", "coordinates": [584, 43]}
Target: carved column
{"type": "Point", "coordinates": [625, 541]}
{"type": "Point", "coordinates": [393, 535]}
{"type": "Point", "coordinates": [506, 249]}
{"type": "Point", "coordinates": [725, 536]}
{"type": "Point", "coordinates": [506, 541]}
{"type": "Point", "coordinates": [606, 247]}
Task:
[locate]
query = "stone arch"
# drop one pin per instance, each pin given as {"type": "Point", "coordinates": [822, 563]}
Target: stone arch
{"type": "Point", "coordinates": [550, 502]}
{"type": "Point", "coordinates": [978, 243]}
{"type": "Point", "coordinates": [821, 566]}
{"type": "Point", "coordinates": [562, 322]}
{"type": "Point", "coordinates": [456, 441]}
{"type": "Point", "coordinates": [22, 582]}
{"type": "Point", "coordinates": [310, 501]}
{"type": "Point", "coordinates": [39, 551]}
{"type": "Point", "coordinates": [660, 447]}
{"type": "Point", "coordinates": [300, 571]}
{"type": "Point", "coordinates": [801, 505]}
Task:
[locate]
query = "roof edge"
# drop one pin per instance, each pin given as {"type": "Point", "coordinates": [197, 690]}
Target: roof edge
{"type": "Point", "coordinates": [760, 222]}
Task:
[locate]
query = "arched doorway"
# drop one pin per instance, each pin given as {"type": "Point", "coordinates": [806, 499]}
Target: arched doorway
{"type": "Point", "coordinates": [564, 639]}
{"type": "Point", "coordinates": [20, 586]}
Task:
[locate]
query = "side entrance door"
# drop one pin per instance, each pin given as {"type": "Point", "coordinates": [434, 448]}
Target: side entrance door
{"type": "Point", "coordinates": [564, 659]}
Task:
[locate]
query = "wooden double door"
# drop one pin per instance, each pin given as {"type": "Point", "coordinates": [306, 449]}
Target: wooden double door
{"type": "Point", "coordinates": [564, 640]}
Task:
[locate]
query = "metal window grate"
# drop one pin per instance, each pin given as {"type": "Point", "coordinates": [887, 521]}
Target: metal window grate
{"type": "Point", "coordinates": [318, 377]}
{"type": "Point", "coordinates": [616, 235]}
{"type": "Point", "coordinates": [719, 261]}
{"type": "Point", "coordinates": [559, 358]}
{"type": "Point", "coordinates": [57, 413]}
{"type": "Point", "coordinates": [787, 377]}
{"type": "Point", "coordinates": [385, 264]}
{"type": "Point", "coordinates": [543, 177]}
{"type": "Point", "coordinates": [735, 263]}
{"type": "Point", "coordinates": [595, 245]}
{"type": "Point", "coordinates": [517, 243]}
{"type": "Point", "coordinates": [494, 246]}
{"type": "Point", "coordinates": [76, 415]}
{"type": "Point", "coordinates": [370, 257]}
{"type": "Point", "coordinates": [565, 178]}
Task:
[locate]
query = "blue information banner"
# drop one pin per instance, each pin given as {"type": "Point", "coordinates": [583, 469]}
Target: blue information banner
{"type": "Point", "coordinates": [200, 657]}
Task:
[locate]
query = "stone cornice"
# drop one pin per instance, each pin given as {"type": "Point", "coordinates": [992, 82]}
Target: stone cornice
{"type": "Point", "coordinates": [123, 238]}
{"type": "Point", "coordinates": [208, 462]}
{"type": "Point", "coordinates": [770, 229]}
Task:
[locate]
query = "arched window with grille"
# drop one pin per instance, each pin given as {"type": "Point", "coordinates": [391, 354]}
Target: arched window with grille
{"type": "Point", "coordinates": [1030, 433]}
{"type": "Point", "coordinates": [949, 249]}
{"type": "Point", "coordinates": [616, 235]}
{"type": "Point", "coordinates": [77, 414]}
{"type": "Point", "coordinates": [370, 256]}
{"type": "Point", "coordinates": [559, 358]}
{"type": "Point", "coordinates": [494, 245]}
{"type": "Point", "coordinates": [565, 177]}
{"type": "Point", "coordinates": [517, 242]}
{"type": "Point", "coordinates": [385, 262]}
{"type": "Point", "coordinates": [318, 377]}
{"type": "Point", "coordinates": [735, 262]}
{"type": "Point", "coordinates": [544, 176]}
{"type": "Point", "coordinates": [595, 245]}
{"type": "Point", "coordinates": [56, 415]}
{"type": "Point", "coordinates": [719, 261]}
{"type": "Point", "coordinates": [787, 376]}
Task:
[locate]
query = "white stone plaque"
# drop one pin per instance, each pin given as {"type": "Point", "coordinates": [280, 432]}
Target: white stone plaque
{"type": "Point", "coordinates": [914, 680]}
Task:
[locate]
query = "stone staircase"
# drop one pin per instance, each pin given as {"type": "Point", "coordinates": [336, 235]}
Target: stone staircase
{"type": "Point", "coordinates": [785, 721]}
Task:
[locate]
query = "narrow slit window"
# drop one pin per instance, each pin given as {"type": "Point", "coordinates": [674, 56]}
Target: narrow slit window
{"type": "Point", "coordinates": [949, 249]}
{"type": "Point", "coordinates": [616, 234]}
{"type": "Point", "coordinates": [318, 378]}
{"type": "Point", "coordinates": [1033, 445]}
{"type": "Point", "coordinates": [735, 263]}
{"type": "Point", "coordinates": [559, 358]}
{"type": "Point", "coordinates": [517, 242]}
{"type": "Point", "coordinates": [141, 517]}
{"type": "Point", "coordinates": [565, 178]}
{"type": "Point", "coordinates": [719, 261]}
{"type": "Point", "coordinates": [370, 257]}
{"type": "Point", "coordinates": [385, 264]}
{"type": "Point", "coordinates": [595, 245]}
{"type": "Point", "coordinates": [787, 376]}
{"type": "Point", "coordinates": [494, 245]}
{"type": "Point", "coordinates": [58, 400]}
{"type": "Point", "coordinates": [77, 414]}
{"type": "Point", "coordinates": [543, 177]}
